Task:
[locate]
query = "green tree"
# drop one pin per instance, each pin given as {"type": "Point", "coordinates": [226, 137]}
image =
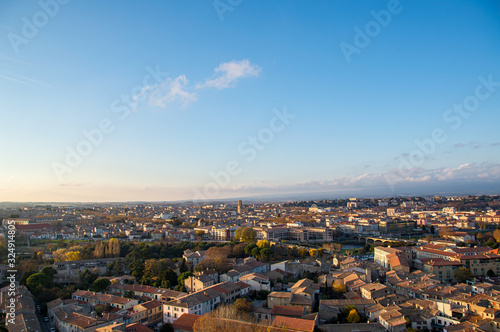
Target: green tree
{"type": "Point", "coordinates": [116, 268]}
{"type": "Point", "coordinates": [265, 253]}
{"type": "Point", "coordinates": [38, 281]}
{"type": "Point", "coordinates": [255, 252]}
{"type": "Point", "coordinates": [87, 278]}
{"type": "Point", "coordinates": [99, 309]}
{"type": "Point", "coordinates": [167, 327]}
{"type": "Point", "coordinates": [249, 248]}
{"type": "Point", "coordinates": [50, 271]}
{"type": "Point", "coordinates": [100, 285]}
{"type": "Point", "coordinates": [262, 294]}
{"type": "Point", "coordinates": [184, 276]}
{"type": "Point", "coordinates": [462, 275]}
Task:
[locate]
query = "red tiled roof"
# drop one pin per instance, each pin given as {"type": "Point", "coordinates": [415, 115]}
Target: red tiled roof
{"type": "Point", "coordinates": [287, 310]}
{"type": "Point", "coordinates": [137, 327]}
{"type": "Point", "coordinates": [185, 322]}
{"type": "Point", "coordinates": [439, 262]}
{"type": "Point", "coordinates": [151, 304]}
{"type": "Point", "coordinates": [294, 323]}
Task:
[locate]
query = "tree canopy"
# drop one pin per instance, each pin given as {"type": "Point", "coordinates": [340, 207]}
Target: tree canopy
{"type": "Point", "coordinates": [463, 274]}
{"type": "Point", "coordinates": [246, 234]}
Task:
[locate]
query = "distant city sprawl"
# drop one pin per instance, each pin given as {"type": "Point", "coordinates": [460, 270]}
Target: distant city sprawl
{"type": "Point", "coordinates": [392, 263]}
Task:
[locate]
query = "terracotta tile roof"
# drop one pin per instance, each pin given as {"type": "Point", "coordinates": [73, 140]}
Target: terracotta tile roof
{"type": "Point", "coordinates": [151, 304]}
{"type": "Point", "coordinates": [300, 300]}
{"type": "Point", "coordinates": [439, 262]}
{"type": "Point", "coordinates": [137, 327]}
{"type": "Point", "coordinates": [287, 310]}
{"type": "Point", "coordinates": [185, 322]}
{"type": "Point", "coordinates": [135, 288]}
{"type": "Point", "coordinates": [294, 323]}
{"type": "Point", "coordinates": [280, 294]}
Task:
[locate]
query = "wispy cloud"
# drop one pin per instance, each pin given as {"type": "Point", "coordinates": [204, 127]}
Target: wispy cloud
{"type": "Point", "coordinates": [474, 145]}
{"type": "Point", "coordinates": [172, 90]}
{"type": "Point", "coordinates": [178, 89]}
{"type": "Point", "coordinates": [229, 72]}
{"type": "Point", "coordinates": [21, 79]}
{"type": "Point", "coordinates": [18, 79]}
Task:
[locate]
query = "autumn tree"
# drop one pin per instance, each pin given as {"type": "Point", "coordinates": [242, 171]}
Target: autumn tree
{"type": "Point", "coordinates": [246, 234]}
{"type": "Point", "coordinates": [99, 250]}
{"type": "Point", "coordinates": [113, 248]}
{"type": "Point", "coordinates": [353, 316]}
{"type": "Point", "coordinates": [480, 237]}
{"type": "Point", "coordinates": [303, 252]}
{"type": "Point", "coordinates": [64, 255]}
{"type": "Point", "coordinates": [496, 235]}
{"type": "Point", "coordinates": [242, 305]}
{"type": "Point", "coordinates": [339, 287]}
{"type": "Point", "coordinates": [228, 318]}
{"type": "Point", "coordinates": [263, 244]}
{"type": "Point", "coordinates": [215, 258]}
{"type": "Point", "coordinates": [313, 252]}
{"type": "Point", "coordinates": [239, 250]}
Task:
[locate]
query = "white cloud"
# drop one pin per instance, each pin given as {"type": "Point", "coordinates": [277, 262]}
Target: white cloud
{"type": "Point", "coordinates": [172, 90]}
{"type": "Point", "coordinates": [229, 72]}
{"type": "Point", "coordinates": [178, 89]}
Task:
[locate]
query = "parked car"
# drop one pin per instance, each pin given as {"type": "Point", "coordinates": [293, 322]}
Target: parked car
{"type": "Point", "coordinates": [46, 319]}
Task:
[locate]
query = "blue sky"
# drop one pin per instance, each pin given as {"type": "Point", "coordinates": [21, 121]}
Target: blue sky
{"type": "Point", "coordinates": [356, 101]}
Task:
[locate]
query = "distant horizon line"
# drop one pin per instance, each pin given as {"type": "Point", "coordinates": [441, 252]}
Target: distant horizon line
{"type": "Point", "coordinates": [258, 198]}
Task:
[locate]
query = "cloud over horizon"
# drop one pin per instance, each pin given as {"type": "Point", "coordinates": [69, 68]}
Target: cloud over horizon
{"type": "Point", "coordinates": [471, 178]}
